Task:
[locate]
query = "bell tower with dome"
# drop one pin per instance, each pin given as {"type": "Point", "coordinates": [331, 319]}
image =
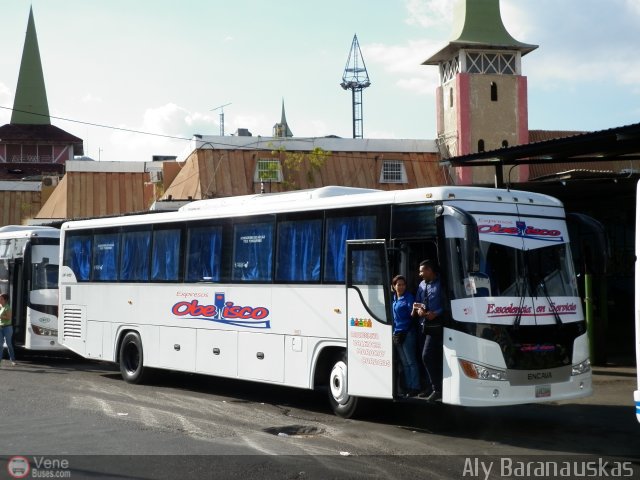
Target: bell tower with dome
{"type": "Point", "coordinates": [481, 102]}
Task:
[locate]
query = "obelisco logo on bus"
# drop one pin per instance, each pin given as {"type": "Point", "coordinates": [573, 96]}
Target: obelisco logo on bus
{"type": "Point", "coordinates": [225, 312]}
{"type": "Point", "coordinates": [522, 230]}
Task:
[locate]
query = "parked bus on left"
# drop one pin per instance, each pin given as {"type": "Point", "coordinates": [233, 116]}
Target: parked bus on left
{"type": "Point", "coordinates": [29, 275]}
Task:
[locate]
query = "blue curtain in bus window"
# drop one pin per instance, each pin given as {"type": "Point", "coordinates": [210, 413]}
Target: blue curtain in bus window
{"type": "Point", "coordinates": [298, 257]}
{"type": "Point", "coordinates": [105, 256]}
{"type": "Point", "coordinates": [77, 256]}
{"type": "Point", "coordinates": [165, 257]}
{"type": "Point", "coordinates": [339, 230]}
{"type": "Point", "coordinates": [203, 254]}
{"type": "Point", "coordinates": [135, 258]}
{"type": "Point", "coordinates": [253, 254]}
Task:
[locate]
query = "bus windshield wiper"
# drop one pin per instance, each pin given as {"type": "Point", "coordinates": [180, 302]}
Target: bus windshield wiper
{"type": "Point", "coordinates": [543, 284]}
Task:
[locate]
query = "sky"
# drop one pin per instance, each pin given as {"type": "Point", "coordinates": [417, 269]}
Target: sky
{"type": "Point", "coordinates": [164, 67]}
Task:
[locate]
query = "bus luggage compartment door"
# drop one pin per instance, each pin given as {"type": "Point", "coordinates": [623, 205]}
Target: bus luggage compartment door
{"type": "Point", "coordinates": [369, 320]}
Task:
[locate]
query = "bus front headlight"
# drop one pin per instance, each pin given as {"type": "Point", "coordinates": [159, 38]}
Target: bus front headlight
{"type": "Point", "coordinates": [480, 372]}
{"type": "Point", "coordinates": [582, 367]}
{"type": "Point", "coordinates": [47, 332]}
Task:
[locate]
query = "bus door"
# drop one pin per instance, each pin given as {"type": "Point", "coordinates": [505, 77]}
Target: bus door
{"type": "Point", "coordinates": [369, 320]}
{"type": "Point", "coordinates": [17, 301]}
{"type": "Point", "coordinates": [408, 253]}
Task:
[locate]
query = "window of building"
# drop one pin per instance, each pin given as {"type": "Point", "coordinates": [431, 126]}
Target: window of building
{"type": "Point", "coordinates": [268, 170]}
{"type": "Point", "coordinates": [393, 171]}
{"type": "Point", "coordinates": [502, 63]}
{"type": "Point", "coordinates": [494, 92]}
{"type": "Point", "coordinates": [505, 144]}
{"type": "Point", "coordinates": [450, 97]}
{"type": "Point", "coordinates": [480, 145]}
{"type": "Point", "coordinates": [45, 153]}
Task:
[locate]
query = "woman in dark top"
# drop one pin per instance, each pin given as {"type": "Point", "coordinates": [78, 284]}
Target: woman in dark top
{"type": "Point", "coordinates": [405, 334]}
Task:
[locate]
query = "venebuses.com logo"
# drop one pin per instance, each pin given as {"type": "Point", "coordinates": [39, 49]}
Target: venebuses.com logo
{"type": "Point", "coordinates": [19, 466]}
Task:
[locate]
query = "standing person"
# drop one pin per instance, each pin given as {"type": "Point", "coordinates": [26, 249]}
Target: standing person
{"type": "Point", "coordinates": [6, 329]}
{"type": "Point", "coordinates": [429, 309]}
{"type": "Point", "coordinates": [405, 334]}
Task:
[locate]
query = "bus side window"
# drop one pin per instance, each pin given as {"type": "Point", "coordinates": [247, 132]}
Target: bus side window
{"type": "Point", "coordinates": [106, 249]}
{"type": "Point", "coordinates": [338, 231]}
{"type": "Point", "coordinates": [253, 252]}
{"type": "Point", "coordinates": [134, 262]}
{"type": "Point", "coordinates": [165, 255]}
{"type": "Point", "coordinates": [204, 245]}
{"type": "Point", "coordinates": [77, 255]}
{"type": "Point", "coordinates": [298, 256]}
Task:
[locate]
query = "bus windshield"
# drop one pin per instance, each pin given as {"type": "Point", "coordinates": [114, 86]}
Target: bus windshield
{"type": "Point", "coordinates": [512, 272]}
{"type": "Point", "coordinates": [44, 276]}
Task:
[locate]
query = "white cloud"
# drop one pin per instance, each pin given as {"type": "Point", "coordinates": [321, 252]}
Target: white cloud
{"type": "Point", "coordinates": [567, 69]}
{"type": "Point", "coordinates": [427, 13]}
{"type": "Point", "coordinates": [170, 120]}
{"type": "Point", "coordinates": [517, 21]}
{"type": "Point", "coordinates": [256, 122]}
{"type": "Point", "coordinates": [634, 6]}
{"type": "Point", "coordinates": [405, 64]}
{"type": "Point", "coordinates": [91, 99]}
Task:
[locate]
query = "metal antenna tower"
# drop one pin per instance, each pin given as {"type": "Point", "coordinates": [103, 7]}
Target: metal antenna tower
{"type": "Point", "coordinates": [221, 108]}
{"type": "Point", "coordinates": [355, 78]}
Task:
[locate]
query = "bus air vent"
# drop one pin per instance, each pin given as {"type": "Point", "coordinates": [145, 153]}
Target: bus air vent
{"type": "Point", "coordinates": [72, 317]}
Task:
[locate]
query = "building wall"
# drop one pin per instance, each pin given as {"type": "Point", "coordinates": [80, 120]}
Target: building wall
{"type": "Point", "coordinates": [18, 206]}
{"type": "Point", "coordinates": [94, 194]}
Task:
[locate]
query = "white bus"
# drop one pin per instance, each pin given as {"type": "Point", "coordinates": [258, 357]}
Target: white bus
{"type": "Point", "coordinates": [294, 289]}
{"type": "Point", "coordinates": [636, 394]}
{"type": "Point", "coordinates": [29, 275]}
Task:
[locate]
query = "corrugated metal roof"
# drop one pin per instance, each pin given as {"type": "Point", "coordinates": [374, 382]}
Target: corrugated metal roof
{"type": "Point", "coordinates": [615, 149]}
{"type": "Point", "coordinates": [293, 144]}
{"type": "Point", "coordinates": [7, 185]}
{"type": "Point", "coordinates": [226, 172]}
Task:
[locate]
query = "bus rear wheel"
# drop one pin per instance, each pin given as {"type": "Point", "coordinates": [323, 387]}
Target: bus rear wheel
{"type": "Point", "coordinates": [343, 404]}
{"type": "Point", "coordinates": [131, 358]}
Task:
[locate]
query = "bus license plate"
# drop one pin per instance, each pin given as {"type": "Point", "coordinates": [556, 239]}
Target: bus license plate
{"type": "Point", "coordinates": [543, 391]}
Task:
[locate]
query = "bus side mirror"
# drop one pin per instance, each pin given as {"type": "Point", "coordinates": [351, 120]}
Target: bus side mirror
{"type": "Point", "coordinates": [471, 237]}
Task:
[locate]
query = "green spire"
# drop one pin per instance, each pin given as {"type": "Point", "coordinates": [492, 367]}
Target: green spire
{"type": "Point", "coordinates": [478, 24]}
{"type": "Point", "coordinates": [31, 94]}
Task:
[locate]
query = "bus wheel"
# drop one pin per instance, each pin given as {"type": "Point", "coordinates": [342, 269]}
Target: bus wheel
{"type": "Point", "coordinates": [342, 403]}
{"type": "Point", "coordinates": [131, 358]}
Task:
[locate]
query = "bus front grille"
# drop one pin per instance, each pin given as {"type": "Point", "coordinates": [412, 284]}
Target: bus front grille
{"type": "Point", "coordinates": [72, 317]}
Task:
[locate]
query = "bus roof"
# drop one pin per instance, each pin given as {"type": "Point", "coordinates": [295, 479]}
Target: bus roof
{"type": "Point", "coordinates": [329, 197]}
{"type": "Point", "coordinates": [25, 231]}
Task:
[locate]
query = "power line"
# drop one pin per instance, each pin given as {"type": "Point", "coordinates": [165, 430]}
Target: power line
{"type": "Point", "coordinates": [248, 146]}
{"type": "Point", "coordinates": [99, 124]}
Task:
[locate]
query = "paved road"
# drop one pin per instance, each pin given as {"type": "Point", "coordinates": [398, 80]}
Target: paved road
{"type": "Point", "coordinates": [67, 408]}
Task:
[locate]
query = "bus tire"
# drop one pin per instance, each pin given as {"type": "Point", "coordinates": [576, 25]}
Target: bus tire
{"type": "Point", "coordinates": [131, 358]}
{"type": "Point", "coordinates": [343, 404]}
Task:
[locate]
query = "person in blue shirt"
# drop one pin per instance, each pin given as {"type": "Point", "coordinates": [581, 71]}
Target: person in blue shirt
{"type": "Point", "coordinates": [428, 309]}
{"type": "Point", "coordinates": [405, 334]}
